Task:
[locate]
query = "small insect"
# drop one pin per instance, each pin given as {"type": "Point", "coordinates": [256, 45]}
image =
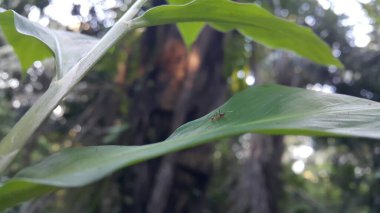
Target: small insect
{"type": "Point", "coordinates": [217, 116]}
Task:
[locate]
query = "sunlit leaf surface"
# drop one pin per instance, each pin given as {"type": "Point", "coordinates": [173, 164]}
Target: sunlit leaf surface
{"type": "Point", "coordinates": [249, 19]}
{"type": "Point", "coordinates": [32, 42]}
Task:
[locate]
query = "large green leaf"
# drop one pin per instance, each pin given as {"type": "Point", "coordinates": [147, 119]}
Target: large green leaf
{"type": "Point", "coordinates": [251, 20]}
{"type": "Point", "coordinates": [260, 109]}
{"type": "Point", "coordinates": [32, 42]}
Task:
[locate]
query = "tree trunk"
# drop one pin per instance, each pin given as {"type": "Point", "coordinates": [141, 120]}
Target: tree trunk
{"type": "Point", "coordinates": [177, 86]}
{"type": "Point", "coordinates": [258, 185]}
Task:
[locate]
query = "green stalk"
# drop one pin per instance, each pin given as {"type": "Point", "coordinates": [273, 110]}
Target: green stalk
{"type": "Point", "coordinates": [26, 126]}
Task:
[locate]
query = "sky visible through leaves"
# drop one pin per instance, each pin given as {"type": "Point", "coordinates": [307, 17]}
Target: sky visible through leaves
{"type": "Point", "coordinates": [61, 11]}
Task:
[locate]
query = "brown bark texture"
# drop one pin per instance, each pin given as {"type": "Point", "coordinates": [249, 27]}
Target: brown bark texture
{"type": "Point", "coordinates": [179, 85]}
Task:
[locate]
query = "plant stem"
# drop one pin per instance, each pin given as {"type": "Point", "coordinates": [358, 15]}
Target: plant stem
{"type": "Point", "coordinates": [121, 27]}
{"type": "Point", "coordinates": [12, 143]}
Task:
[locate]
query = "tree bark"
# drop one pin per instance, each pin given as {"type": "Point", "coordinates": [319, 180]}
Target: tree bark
{"type": "Point", "coordinates": [258, 185]}
{"type": "Point", "coordinates": [177, 86]}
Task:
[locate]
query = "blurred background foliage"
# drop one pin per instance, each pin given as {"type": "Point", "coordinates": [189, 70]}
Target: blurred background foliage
{"type": "Point", "coordinates": [315, 174]}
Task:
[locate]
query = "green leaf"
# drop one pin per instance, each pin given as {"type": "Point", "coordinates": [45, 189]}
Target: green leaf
{"type": "Point", "coordinates": [179, 1]}
{"type": "Point", "coordinates": [28, 48]}
{"type": "Point", "coordinates": [261, 109]}
{"type": "Point", "coordinates": [15, 191]}
{"type": "Point", "coordinates": [32, 42]}
{"type": "Point", "coordinates": [189, 31]}
{"type": "Point", "coordinates": [249, 19]}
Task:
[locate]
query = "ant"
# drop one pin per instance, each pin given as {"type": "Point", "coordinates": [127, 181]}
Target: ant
{"type": "Point", "coordinates": [217, 116]}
